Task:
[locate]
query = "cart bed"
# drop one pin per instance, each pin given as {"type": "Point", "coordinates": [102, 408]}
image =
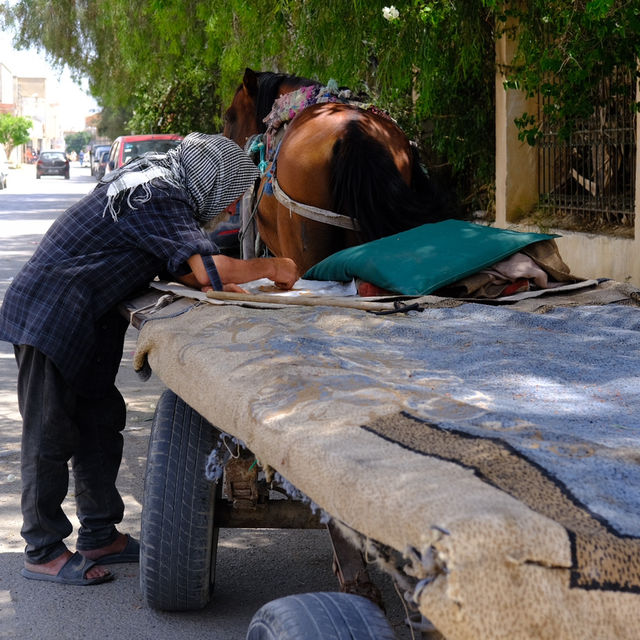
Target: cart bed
{"type": "Point", "coordinates": [493, 450]}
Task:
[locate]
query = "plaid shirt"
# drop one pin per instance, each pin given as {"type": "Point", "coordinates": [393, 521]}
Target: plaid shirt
{"type": "Point", "coordinates": [63, 300]}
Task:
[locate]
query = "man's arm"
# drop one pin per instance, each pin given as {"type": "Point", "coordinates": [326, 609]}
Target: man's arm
{"type": "Point", "coordinates": [282, 271]}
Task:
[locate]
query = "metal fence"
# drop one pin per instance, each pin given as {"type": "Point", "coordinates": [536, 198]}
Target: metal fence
{"type": "Point", "coordinates": [592, 174]}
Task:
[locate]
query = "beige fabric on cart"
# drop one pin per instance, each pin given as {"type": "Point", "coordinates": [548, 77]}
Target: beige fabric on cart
{"type": "Point", "coordinates": [514, 553]}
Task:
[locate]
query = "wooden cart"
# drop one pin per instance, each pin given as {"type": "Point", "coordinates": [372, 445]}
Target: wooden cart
{"type": "Point", "coordinates": [483, 455]}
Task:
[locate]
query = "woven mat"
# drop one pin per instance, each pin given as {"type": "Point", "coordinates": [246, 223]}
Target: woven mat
{"type": "Point", "coordinates": [497, 449]}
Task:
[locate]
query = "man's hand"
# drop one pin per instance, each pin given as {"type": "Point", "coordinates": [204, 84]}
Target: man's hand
{"type": "Point", "coordinates": [233, 288]}
{"type": "Point", "coordinates": [285, 272]}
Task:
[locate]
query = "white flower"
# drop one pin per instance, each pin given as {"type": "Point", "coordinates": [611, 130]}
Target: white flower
{"type": "Point", "coordinates": [390, 13]}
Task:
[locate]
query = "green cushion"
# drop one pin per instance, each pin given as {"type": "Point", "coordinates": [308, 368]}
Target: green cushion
{"type": "Point", "coordinates": [421, 260]}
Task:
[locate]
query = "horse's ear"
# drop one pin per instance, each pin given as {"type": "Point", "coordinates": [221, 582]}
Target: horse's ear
{"type": "Point", "coordinates": [250, 82]}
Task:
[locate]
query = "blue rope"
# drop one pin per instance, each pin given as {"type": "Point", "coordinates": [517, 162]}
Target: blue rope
{"type": "Point", "coordinates": [268, 187]}
{"type": "Point", "coordinates": [258, 146]}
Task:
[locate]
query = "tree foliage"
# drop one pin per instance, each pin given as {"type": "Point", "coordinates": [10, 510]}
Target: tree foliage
{"type": "Point", "coordinates": [566, 50]}
{"type": "Point", "coordinates": [77, 141]}
{"type": "Point", "coordinates": [183, 104]}
{"type": "Point", "coordinates": [113, 120]}
{"type": "Point", "coordinates": [174, 64]}
{"type": "Point", "coordinates": [14, 131]}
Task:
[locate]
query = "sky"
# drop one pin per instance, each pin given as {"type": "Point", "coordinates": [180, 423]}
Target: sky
{"type": "Point", "coordinates": [77, 104]}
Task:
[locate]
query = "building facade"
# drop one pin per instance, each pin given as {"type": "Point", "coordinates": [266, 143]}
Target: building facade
{"type": "Point", "coordinates": [28, 97]}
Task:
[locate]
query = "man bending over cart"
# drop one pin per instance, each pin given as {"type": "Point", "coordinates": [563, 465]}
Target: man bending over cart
{"type": "Point", "coordinates": [60, 313]}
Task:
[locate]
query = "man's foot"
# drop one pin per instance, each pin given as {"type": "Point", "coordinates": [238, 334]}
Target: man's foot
{"type": "Point", "coordinates": [64, 569]}
{"type": "Point", "coordinates": [123, 549]}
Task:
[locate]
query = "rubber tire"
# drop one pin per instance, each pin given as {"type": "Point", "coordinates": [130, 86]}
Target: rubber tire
{"type": "Point", "coordinates": [178, 540]}
{"type": "Point", "coordinates": [320, 616]}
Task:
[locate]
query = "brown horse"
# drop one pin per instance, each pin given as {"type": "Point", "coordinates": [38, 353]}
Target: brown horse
{"type": "Point", "coordinates": [336, 158]}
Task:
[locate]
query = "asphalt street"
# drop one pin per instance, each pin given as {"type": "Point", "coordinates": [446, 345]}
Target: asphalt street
{"type": "Point", "coordinates": [253, 566]}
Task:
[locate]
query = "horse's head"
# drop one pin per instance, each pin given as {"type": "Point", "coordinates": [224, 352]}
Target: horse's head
{"type": "Point", "coordinates": [253, 100]}
{"type": "Point", "coordinates": [240, 119]}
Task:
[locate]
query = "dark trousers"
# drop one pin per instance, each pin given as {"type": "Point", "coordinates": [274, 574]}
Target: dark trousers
{"type": "Point", "coordinates": [61, 426]}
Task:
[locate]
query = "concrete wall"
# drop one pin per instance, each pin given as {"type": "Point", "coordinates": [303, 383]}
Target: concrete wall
{"type": "Point", "coordinates": [588, 255]}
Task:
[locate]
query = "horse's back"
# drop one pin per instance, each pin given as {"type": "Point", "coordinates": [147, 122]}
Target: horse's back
{"type": "Point", "coordinates": [337, 157]}
{"type": "Point", "coordinates": [309, 147]}
{"type": "Point", "coordinates": [358, 164]}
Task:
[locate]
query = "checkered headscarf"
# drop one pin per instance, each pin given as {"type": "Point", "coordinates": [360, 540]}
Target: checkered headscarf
{"type": "Point", "coordinates": [213, 170]}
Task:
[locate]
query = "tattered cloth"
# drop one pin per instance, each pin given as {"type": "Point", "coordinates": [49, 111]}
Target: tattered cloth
{"type": "Point", "coordinates": [496, 449]}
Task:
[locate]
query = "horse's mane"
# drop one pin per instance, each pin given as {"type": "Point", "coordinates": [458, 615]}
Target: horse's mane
{"type": "Point", "coordinates": [269, 84]}
{"type": "Point", "coordinates": [366, 185]}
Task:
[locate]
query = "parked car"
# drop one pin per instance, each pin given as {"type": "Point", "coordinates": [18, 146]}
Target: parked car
{"type": "Point", "coordinates": [52, 163]}
{"type": "Point", "coordinates": [125, 148]}
{"type": "Point", "coordinates": [96, 154]}
{"type": "Point", "coordinates": [102, 164]}
{"type": "Point", "coordinates": [4, 168]}
{"type": "Point", "coordinates": [226, 236]}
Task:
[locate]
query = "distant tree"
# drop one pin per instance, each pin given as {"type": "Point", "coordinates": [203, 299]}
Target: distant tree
{"type": "Point", "coordinates": [14, 131]}
{"type": "Point", "coordinates": [77, 141]}
{"type": "Point", "coordinates": [113, 121]}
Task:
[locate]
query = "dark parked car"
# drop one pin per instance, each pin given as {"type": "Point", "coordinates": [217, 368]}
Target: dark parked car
{"type": "Point", "coordinates": [101, 164]}
{"type": "Point", "coordinates": [52, 163]}
{"type": "Point", "coordinates": [226, 236]}
{"type": "Point", "coordinates": [96, 156]}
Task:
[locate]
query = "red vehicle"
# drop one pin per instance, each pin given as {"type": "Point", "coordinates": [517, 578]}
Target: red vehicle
{"type": "Point", "coordinates": [125, 148]}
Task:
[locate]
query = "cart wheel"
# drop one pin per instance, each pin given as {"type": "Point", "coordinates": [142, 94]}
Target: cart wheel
{"type": "Point", "coordinates": [320, 616]}
{"type": "Point", "coordinates": [178, 541]}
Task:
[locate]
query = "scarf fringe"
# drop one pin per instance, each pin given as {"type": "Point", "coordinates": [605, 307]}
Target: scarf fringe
{"type": "Point", "coordinates": [125, 187]}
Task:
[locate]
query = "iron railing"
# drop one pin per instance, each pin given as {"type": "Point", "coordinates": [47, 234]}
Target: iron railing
{"type": "Point", "coordinates": [592, 174]}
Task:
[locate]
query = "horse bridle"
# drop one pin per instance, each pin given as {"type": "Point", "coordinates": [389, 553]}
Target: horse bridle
{"type": "Point", "coordinates": [300, 208]}
{"type": "Point", "coordinates": [312, 213]}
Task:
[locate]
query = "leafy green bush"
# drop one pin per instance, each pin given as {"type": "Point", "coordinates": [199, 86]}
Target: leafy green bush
{"type": "Point", "coordinates": [565, 51]}
{"type": "Point", "coordinates": [430, 63]}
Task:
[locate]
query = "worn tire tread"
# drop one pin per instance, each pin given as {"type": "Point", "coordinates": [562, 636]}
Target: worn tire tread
{"type": "Point", "coordinates": [320, 616]}
{"type": "Point", "coordinates": [178, 537]}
